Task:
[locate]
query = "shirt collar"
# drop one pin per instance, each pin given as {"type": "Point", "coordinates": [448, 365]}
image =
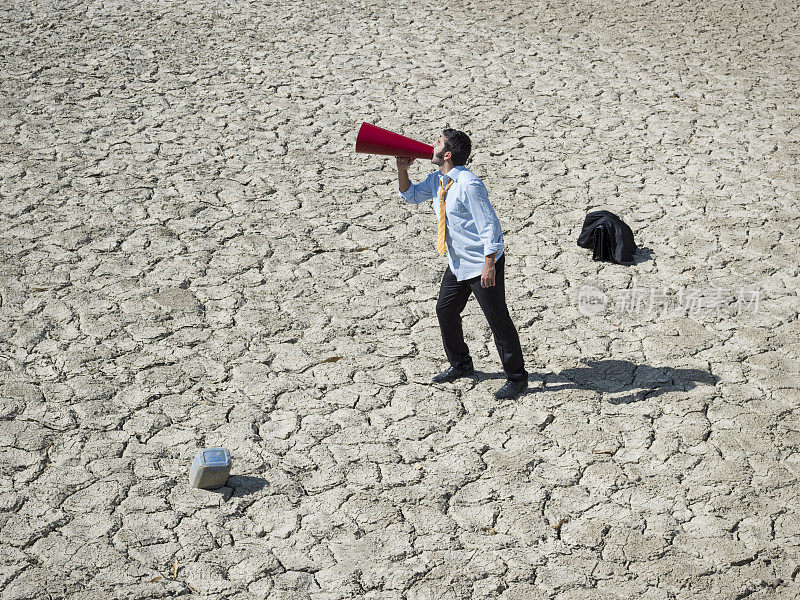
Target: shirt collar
{"type": "Point", "coordinates": [455, 172]}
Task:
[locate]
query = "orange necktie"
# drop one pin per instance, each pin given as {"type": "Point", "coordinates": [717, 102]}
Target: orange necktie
{"type": "Point", "coordinates": [440, 246]}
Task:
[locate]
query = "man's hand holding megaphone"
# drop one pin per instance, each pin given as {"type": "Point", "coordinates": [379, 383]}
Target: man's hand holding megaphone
{"type": "Point", "coordinates": [403, 162]}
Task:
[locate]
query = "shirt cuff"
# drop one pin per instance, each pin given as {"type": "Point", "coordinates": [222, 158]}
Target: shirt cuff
{"type": "Point", "coordinates": [403, 194]}
{"type": "Point", "coordinates": [492, 248]}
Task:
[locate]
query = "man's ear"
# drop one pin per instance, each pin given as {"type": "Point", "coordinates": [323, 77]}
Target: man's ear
{"type": "Point", "coordinates": [447, 156]}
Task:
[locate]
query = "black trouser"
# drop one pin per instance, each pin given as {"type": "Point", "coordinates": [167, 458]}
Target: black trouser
{"type": "Point", "coordinates": [453, 296]}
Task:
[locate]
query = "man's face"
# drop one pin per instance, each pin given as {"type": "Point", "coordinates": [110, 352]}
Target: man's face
{"type": "Point", "coordinates": [438, 152]}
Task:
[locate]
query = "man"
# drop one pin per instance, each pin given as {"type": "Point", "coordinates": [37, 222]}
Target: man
{"type": "Point", "coordinates": [470, 233]}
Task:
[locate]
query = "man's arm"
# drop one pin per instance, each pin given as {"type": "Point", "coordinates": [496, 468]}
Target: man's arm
{"type": "Point", "coordinates": [412, 193]}
{"type": "Point", "coordinates": [488, 226]}
{"type": "Point", "coordinates": [402, 172]}
{"type": "Point", "coordinates": [489, 271]}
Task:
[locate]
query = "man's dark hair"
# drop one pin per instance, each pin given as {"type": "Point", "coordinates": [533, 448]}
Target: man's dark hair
{"type": "Point", "coordinates": [458, 143]}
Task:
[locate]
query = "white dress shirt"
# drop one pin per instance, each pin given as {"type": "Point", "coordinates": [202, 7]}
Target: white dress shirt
{"type": "Point", "coordinates": [473, 229]}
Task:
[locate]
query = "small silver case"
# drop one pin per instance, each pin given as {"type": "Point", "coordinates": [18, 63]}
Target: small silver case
{"type": "Point", "coordinates": [210, 468]}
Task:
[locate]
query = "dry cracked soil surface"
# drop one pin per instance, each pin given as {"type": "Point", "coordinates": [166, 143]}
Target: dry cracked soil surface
{"type": "Point", "coordinates": [192, 255]}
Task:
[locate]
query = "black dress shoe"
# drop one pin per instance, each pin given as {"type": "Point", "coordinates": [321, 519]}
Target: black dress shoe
{"type": "Point", "coordinates": [511, 389]}
{"type": "Point", "coordinates": [453, 373]}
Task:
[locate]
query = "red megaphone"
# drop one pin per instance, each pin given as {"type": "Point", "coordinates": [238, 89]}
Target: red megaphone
{"type": "Point", "coordinates": [376, 140]}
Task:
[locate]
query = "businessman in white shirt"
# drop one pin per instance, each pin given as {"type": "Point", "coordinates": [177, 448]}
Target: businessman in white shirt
{"type": "Point", "coordinates": [469, 233]}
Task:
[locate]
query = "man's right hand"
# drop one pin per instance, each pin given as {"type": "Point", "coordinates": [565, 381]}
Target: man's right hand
{"type": "Point", "coordinates": [403, 162]}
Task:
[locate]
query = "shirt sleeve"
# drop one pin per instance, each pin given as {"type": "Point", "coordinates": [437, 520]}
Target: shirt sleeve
{"type": "Point", "coordinates": [420, 192]}
{"type": "Point", "coordinates": [486, 221]}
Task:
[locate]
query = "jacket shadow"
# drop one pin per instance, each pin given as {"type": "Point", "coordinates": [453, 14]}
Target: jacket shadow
{"type": "Point", "coordinates": [642, 254]}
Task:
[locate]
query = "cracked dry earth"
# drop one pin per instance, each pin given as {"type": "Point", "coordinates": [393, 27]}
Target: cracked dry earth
{"type": "Point", "coordinates": [193, 255]}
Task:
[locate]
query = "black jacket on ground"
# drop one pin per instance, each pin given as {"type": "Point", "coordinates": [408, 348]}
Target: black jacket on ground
{"type": "Point", "coordinates": [608, 236]}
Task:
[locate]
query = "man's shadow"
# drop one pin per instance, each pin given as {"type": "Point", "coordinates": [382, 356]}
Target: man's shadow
{"type": "Point", "coordinates": [615, 377]}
